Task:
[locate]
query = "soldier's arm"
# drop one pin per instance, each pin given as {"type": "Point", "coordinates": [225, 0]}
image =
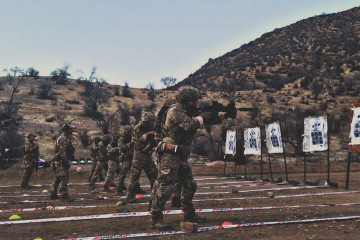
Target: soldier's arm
{"type": "Point", "coordinates": [184, 121]}
{"type": "Point", "coordinates": [62, 146]}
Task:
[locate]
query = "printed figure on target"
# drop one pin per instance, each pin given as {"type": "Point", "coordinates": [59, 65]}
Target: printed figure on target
{"type": "Point", "coordinates": [316, 134]}
{"type": "Point", "coordinates": [274, 138]}
{"type": "Point", "coordinates": [252, 140]}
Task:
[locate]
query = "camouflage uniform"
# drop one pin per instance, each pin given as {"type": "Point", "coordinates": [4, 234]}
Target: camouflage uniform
{"type": "Point", "coordinates": [126, 151]}
{"type": "Point", "coordinates": [143, 143]}
{"type": "Point", "coordinates": [178, 130]}
{"type": "Point", "coordinates": [113, 162]}
{"type": "Point", "coordinates": [64, 153]}
{"type": "Point", "coordinates": [102, 160]}
{"type": "Point", "coordinates": [31, 154]}
{"type": "Point", "coordinates": [94, 152]}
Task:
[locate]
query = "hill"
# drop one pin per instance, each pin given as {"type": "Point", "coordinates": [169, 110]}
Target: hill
{"type": "Point", "coordinates": [322, 49]}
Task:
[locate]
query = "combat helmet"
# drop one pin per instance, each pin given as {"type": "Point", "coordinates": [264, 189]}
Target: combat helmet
{"type": "Point", "coordinates": [106, 138]}
{"type": "Point", "coordinates": [66, 127]}
{"type": "Point", "coordinates": [187, 93]}
{"type": "Point", "coordinates": [147, 116]}
{"type": "Point", "coordinates": [127, 129]}
{"type": "Point", "coordinates": [31, 134]}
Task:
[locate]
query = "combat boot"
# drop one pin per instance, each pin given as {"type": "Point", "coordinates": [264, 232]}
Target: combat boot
{"type": "Point", "coordinates": [193, 217]}
{"type": "Point", "coordinates": [139, 191]}
{"type": "Point", "coordinates": [65, 198]}
{"type": "Point", "coordinates": [131, 200]}
{"type": "Point", "coordinates": [106, 188]}
{"type": "Point", "coordinates": [54, 196]}
{"type": "Point", "coordinates": [159, 225]}
{"type": "Point", "coordinates": [176, 202]}
{"type": "Point", "coordinates": [25, 186]}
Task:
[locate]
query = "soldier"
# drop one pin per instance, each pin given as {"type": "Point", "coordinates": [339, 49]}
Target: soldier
{"type": "Point", "coordinates": [31, 154]}
{"type": "Point", "coordinates": [102, 160]}
{"type": "Point", "coordinates": [113, 161]}
{"type": "Point", "coordinates": [126, 156]}
{"type": "Point", "coordinates": [178, 130]}
{"type": "Point", "coordinates": [64, 153]}
{"type": "Point", "coordinates": [143, 142]}
{"type": "Point", "coordinates": [94, 152]}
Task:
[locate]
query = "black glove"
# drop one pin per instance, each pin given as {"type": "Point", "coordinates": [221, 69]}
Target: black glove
{"type": "Point", "coordinates": [208, 118]}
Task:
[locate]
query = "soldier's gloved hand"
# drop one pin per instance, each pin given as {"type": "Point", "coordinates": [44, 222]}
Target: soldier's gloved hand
{"type": "Point", "coordinates": [150, 135]}
{"type": "Point", "coordinates": [208, 118]}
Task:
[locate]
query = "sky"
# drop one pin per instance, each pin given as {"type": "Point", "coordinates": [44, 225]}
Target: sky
{"type": "Point", "coordinates": [139, 41]}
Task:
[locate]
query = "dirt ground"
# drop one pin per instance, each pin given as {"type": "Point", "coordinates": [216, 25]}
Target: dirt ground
{"type": "Point", "coordinates": [222, 196]}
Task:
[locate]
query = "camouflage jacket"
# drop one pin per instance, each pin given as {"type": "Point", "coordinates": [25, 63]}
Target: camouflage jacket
{"type": "Point", "coordinates": [64, 149]}
{"type": "Point", "coordinates": [31, 150]}
{"type": "Point", "coordinates": [102, 152]}
{"type": "Point", "coordinates": [179, 128]}
{"type": "Point", "coordinates": [139, 139]}
{"type": "Point", "coordinates": [113, 151]}
{"type": "Point", "coordinates": [94, 150]}
{"type": "Point", "coordinates": [125, 146]}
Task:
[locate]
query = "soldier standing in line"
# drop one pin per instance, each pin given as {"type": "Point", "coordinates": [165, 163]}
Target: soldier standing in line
{"type": "Point", "coordinates": [143, 142]}
{"type": "Point", "coordinates": [113, 161]}
{"type": "Point", "coordinates": [102, 161]}
{"type": "Point", "coordinates": [126, 156]}
{"type": "Point", "coordinates": [64, 153]}
{"type": "Point", "coordinates": [31, 154]}
{"type": "Point", "coordinates": [179, 129]}
{"type": "Point", "coordinates": [94, 152]}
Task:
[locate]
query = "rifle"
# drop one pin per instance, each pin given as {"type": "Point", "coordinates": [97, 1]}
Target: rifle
{"type": "Point", "coordinates": [230, 110]}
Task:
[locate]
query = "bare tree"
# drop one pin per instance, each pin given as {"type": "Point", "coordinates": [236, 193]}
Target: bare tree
{"type": "Point", "coordinates": [151, 94]}
{"type": "Point", "coordinates": [32, 72]}
{"type": "Point", "coordinates": [44, 90]}
{"type": "Point", "coordinates": [168, 81]}
{"type": "Point", "coordinates": [59, 75]}
{"type": "Point", "coordinates": [9, 118]}
{"type": "Point", "coordinates": [95, 94]}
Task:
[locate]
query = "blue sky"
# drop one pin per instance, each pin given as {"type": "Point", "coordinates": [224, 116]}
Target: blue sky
{"type": "Point", "coordinates": [140, 41]}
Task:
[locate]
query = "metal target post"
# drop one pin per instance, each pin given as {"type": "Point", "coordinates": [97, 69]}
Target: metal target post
{"type": "Point", "coordinates": [270, 168]}
{"type": "Point", "coordinates": [304, 167]}
{"type": "Point", "coordinates": [328, 150]}
{"type": "Point", "coordinates": [286, 170]}
{"type": "Point", "coordinates": [348, 171]}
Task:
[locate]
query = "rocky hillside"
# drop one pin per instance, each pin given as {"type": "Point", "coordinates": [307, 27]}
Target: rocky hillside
{"type": "Point", "coordinates": [322, 49]}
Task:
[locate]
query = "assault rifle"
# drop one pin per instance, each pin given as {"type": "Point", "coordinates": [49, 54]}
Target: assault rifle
{"type": "Point", "coordinates": [230, 110]}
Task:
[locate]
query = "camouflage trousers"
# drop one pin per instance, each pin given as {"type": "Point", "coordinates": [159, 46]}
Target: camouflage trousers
{"type": "Point", "coordinates": [141, 161]}
{"type": "Point", "coordinates": [113, 167]}
{"type": "Point", "coordinates": [28, 170]}
{"type": "Point", "coordinates": [100, 167]}
{"type": "Point", "coordinates": [61, 178]}
{"type": "Point", "coordinates": [93, 167]}
{"type": "Point", "coordinates": [173, 171]}
{"type": "Point", "coordinates": [125, 167]}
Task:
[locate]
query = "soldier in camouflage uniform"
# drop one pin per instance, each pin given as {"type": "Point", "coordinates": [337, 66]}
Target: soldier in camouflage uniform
{"type": "Point", "coordinates": [178, 132]}
{"type": "Point", "coordinates": [31, 154]}
{"type": "Point", "coordinates": [102, 160]}
{"type": "Point", "coordinates": [64, 153]}
{"type": "Point", "coordinates": [143, 142]}
{"type": "Point", "coordinates": [113, 161]}
{"type": "Point", "coordinates": [94, 152]}
{"type": "Point", "coordinates": [126, 156]}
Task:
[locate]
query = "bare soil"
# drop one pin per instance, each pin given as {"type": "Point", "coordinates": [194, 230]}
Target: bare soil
{"type": "Point", "coordinates": [348, 229]}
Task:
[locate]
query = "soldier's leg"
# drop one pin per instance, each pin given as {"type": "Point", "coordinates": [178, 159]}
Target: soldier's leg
{"type": "Point", "coordinates": [189, 187]}
{"type": "Point", "coordinates": [176, 196]}
{"type": "Point", "coordinates": [163, 187]}
{"type": "Point", "coordinates": [64, 183]}
{"type": "Point", "coordinates": [112, 168]}
{"type": "Point", "coordinates": [98, 170]}
{"type": "Point", "coordinates": [93, 167]}
{"type": "Point", "coordinates": [151, 171]}
{"type": "Point", "coordinates": [124, 169]}
{"type": "Point", "coordinates": [135, 173]}
{"type": "Point", "coordinates": [27, 174]}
